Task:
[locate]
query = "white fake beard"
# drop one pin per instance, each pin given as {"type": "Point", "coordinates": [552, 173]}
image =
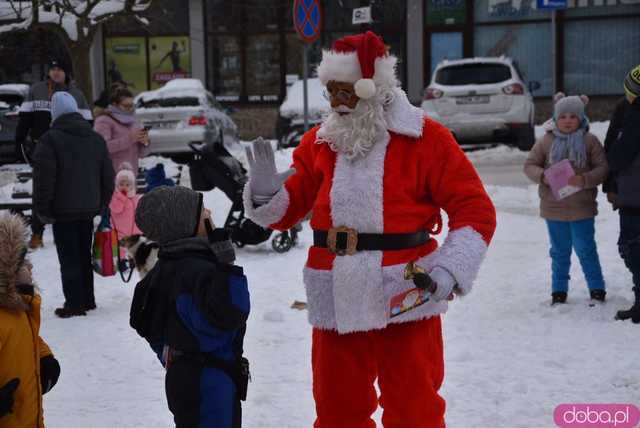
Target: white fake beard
{"type": "Point", "coordinates": [355, 133]}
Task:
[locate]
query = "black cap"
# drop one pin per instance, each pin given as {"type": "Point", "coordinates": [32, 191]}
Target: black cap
{"type": "Point", "coordinates": [55, 63]}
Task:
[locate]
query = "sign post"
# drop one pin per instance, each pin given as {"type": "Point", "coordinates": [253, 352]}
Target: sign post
{"type": "Point", "coordinates": [307, 20]}
{"type": "Point", "coordinates": [554, 6]}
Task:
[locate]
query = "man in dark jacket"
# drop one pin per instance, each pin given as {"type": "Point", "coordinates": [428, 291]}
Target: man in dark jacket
{"type": "Point", "coordinates": [34, 120]}
{"type": "Point", "coordinates": [73, 182]}
{"type": "Point", "coordinates": [197, 304]}
{"type": "Point", "coordinates": [624, 161]}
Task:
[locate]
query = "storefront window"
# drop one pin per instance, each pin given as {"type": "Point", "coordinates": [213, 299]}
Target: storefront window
{"type": "Point", "coordinates": [589, 66]}
{"type": "Point", "coordinates": [294, 57]}
{"type": "Point", "coordinates": [263, 67]}
{"type": "Point", "coordinates": [253, 43]}
{"type": "Point", "coordinates": [227, 67]}
{"type": "Point", "coordinates": [445, 46]}
{"type": "Point", "coordinates": [446, 12]}
{"type": "Point", "coordinates": [393, 14]}
{"type": "Point", "coordinates": [507, 10]}
{"type": "Point", "coordinates": [598, 8]}
{"type": "Point", "coordinates": [527, 44]}
{"type": "Point", "coordinates": [224, 15]}
{"type": "Point", "coordinates": [262, 14]}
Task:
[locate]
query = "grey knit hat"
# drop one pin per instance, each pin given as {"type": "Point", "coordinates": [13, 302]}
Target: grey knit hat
{"type": "Point", "coordinates": [569, 105]}
{"type": "Point", "coordinates": [167, 214]}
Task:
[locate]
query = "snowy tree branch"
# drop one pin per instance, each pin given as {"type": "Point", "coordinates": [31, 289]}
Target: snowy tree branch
{"type": "Point", "coordinates": [75, 18]}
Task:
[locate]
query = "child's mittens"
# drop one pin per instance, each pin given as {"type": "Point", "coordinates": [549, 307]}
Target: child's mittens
{"type": "Point", "coordinates": [6, 396]}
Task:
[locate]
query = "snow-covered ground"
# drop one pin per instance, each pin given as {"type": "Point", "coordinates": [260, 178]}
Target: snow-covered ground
{"type": "Point", "coordinates": [510, 357]}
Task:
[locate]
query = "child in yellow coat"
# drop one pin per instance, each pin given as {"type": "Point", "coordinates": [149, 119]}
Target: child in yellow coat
{"type": "Point", "coordinates": [28, 369]}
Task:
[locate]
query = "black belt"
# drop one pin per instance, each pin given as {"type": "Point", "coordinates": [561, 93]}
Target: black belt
{"type": "Point", "coordinates": [342, 240]}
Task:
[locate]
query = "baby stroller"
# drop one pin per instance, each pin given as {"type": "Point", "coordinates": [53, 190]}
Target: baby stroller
{"type": "Point", "coordinates": [213, 166]}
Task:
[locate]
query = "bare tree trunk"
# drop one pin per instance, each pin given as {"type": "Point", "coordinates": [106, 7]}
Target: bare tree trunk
{"type": "Point", "coordinates": [80, 55]}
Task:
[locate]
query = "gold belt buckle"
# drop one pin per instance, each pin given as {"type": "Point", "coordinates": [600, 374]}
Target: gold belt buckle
{"type": "Point", "coordinates": [352, 240]}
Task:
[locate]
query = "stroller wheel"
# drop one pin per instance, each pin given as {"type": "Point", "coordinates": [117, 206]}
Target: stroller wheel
{"type": "Point", "coordinates": [282, 242]}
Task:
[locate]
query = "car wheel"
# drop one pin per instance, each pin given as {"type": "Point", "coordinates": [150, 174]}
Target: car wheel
{"type": "Point", "coordinates": [525, 138]}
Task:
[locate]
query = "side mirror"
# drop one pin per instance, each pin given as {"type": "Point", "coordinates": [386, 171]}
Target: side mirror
{"type": "Point", "coordinates": [534, 86]}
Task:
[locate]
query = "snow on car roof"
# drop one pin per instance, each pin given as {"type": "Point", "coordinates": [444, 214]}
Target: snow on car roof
{"type": "Point", "coordinates": [479, 59]}
{"type": "Point", "coordinates": [14, 88]}
{"type": "Point", "coordinates": [173, 88]}
{"type": "Point", "coordinates": [293, 103]}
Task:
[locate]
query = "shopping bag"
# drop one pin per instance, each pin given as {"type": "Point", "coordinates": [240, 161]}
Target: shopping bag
{"type": "Point", "coordinates": [105, 248]}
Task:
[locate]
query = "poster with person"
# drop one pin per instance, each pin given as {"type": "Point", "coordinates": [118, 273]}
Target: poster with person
{"type": "Point", "coordinates": [126, 61]}
{"type": "Point", "coordinates": [169, 58]}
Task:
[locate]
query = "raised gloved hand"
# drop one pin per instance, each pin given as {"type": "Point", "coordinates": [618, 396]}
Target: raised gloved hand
{"type": "Point", "coordinates": [445, 283]}
{"type": "Point", "coordinates": [264, 179]}
{"type": "Point", "coordinates": [6, 396]}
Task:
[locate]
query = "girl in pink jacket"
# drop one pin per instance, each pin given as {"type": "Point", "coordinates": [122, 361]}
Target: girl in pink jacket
{"type": "Point", "coordinates": [124, 202]}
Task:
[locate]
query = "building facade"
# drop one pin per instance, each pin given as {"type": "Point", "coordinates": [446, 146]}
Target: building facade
{"type": "Point", "coordinates": [247, 51]}
{"type": "Point", "coordinates": [252, 51]}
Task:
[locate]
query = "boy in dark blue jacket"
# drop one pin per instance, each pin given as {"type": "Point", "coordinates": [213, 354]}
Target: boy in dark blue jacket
{"type": "Point", "coordinates": [192, 308]}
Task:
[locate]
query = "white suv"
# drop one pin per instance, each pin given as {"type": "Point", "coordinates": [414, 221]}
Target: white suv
{"type": "Point", "coordinates": [482, 100]}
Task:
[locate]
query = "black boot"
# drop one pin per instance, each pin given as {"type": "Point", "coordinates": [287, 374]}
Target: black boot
{"type": "Point", "coordinates": [598, 295]}
{"type": "Point", "coordinates": [558, 297]}
{"type": "Point", "coordinates": [66, 312]}
{"type": "Point", "coordinates": [632, 313]}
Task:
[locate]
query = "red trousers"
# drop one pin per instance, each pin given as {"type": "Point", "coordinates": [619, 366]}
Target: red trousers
{"type": "Point", "coordinates": [407, 359]}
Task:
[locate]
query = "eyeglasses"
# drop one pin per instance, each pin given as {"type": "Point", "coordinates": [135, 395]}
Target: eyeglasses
{"type": "Point", "coordinates": [340, 95]}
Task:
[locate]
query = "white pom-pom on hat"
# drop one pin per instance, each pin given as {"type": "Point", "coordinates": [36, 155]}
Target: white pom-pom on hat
{"type": "Point", "coordinates": [585, 99]}
{"type": "Point", "coordinates": [365, 88]}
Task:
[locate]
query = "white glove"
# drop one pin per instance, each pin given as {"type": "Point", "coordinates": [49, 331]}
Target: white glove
{"type": "Point", "coordinates": [264, 179]}
{"type": "Point", "coordinates": [444, 281]}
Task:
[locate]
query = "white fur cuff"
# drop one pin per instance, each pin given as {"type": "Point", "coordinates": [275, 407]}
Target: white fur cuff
{"type": "Point", "coordinates": [269, 213]}
{"type": "Point", "coordinates": [461, 255]}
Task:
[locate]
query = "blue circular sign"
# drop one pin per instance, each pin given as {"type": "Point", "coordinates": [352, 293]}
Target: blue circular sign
{"type": "Point", "coordinates": [307, 19]}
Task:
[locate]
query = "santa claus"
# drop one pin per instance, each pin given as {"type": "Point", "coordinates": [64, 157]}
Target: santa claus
{"type": "Point", "coordinates": [375, 175]}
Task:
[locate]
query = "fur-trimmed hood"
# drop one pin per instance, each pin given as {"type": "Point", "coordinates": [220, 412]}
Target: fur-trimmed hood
{"type": "Point", "coordinates": [13, 248]}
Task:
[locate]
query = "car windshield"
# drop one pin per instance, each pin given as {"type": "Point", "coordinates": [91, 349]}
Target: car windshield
{"type": "Point", "coordinates": [169, 102]}
{"type": "Point", "coordinates": [473, 74]}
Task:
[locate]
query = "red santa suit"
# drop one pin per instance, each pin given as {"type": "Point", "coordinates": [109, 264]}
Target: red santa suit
{"type": "Point", "coordinates": [414, 170]}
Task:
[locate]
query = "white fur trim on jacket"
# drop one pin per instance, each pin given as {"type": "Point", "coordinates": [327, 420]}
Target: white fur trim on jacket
{"type": "Point", "coordinates": [402, 117]}
{"type": "Point", "coordinates": [357, 202]}
{"type": "Point", "coordinates": [269, 213]}
{"type": "Point", "coordinates": [320, 288]}
{"type": "Point", "coordinates": [461, 255]}
{"type": "Point", "coordinates": [345, 67]}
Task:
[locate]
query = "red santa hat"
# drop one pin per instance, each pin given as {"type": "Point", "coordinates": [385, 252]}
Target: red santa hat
{"type": "Point", "coordinates": [361, 59]}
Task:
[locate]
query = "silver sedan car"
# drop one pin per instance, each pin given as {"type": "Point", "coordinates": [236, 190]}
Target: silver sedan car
{"type": "Point", "coordinates": [181, 113]}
